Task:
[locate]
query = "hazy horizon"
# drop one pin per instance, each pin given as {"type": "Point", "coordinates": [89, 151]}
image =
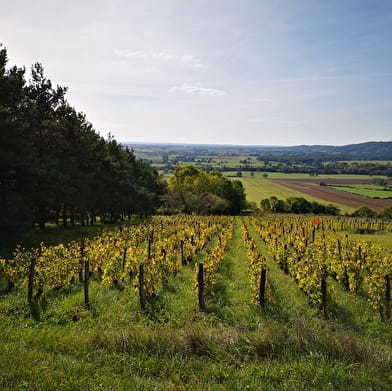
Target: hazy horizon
{"type": "Point", "coordinates": [248, 145]}
{"type": "Point", "coordinates": [210, 72]}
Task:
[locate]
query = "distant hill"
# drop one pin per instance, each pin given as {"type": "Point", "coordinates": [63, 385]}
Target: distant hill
{"type": "Point", "coordinates": [372, 150]}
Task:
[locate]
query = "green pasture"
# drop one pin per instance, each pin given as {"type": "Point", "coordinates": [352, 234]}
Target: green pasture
{"type": "Point", "coordinates": [371, 191]}
{"type": "Point", "coordinates": [257, 189]}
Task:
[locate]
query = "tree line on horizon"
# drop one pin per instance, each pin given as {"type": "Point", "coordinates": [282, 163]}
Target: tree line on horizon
{"type": "Point", "coordinates": [54, 166]}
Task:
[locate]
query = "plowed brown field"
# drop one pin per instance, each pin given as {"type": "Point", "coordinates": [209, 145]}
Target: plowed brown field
{"type": "Point", "coordinates": [309, 187]}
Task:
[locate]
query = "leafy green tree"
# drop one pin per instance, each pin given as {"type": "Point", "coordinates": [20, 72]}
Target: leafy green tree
{"type": "Point", "coordinates": [265, 204]}
{"type": "Point", "coordinates": [192, 190]}
{"type": "Point", "coordinates": [298, 205]}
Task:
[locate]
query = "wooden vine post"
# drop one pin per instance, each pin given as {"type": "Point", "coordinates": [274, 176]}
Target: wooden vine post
{"type": "Point", "coordinates": [200, 286]}
{"type": "Point", "coordinates": [86, 276]}
{"type": "Point", "coordinates": [86, 283]}
{"type": "Point", "coordinates": [149, 248]}
{"type": "Point", "coordinates": [324, 276]}
{"type": "Point", "coordinates": [124, 257]}
{"type": "Point", "coordinates": [263, 280]}
{"type": "Point", "coordinates": [346, 281]}
{"type": "Point", "coordinates": [33, 301]}
{"type": "Point", "coordinates": [31, 281]}
{"type": "Point", "coordinates": [142, 293]}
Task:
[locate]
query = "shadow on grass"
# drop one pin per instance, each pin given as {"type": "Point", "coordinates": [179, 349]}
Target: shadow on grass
{"type": "Point", "coordinates": [156, 310]}
{"type": "Point", "coordinates": [278, 308]}
{"type": "Point", "coordinates": [220, 300]}
{"type": "Point", "coordinates": [342, 315]}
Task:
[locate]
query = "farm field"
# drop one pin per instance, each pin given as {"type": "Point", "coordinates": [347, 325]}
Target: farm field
{"type": "Point", "coordinates": [368, 190]}
{"type": "Point", "coordinates": [258, 188]}
{"type": "Point", "coordinates": [299, 185]}
{"type": "Point", "coordinates": [233, 344]}
{"type": "Point", "coordinates": [332, 195]}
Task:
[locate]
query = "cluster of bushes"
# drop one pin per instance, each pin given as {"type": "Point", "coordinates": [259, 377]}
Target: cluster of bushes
{"type": "Point", "coordinates": [297, 205]}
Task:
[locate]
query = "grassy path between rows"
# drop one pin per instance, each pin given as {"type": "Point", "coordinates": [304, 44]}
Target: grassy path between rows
{"type": "Point", "coordinates": [288, 302]}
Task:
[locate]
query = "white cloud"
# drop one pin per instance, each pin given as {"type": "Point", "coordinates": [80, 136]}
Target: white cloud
{"type": "Point", "coordinates": [162, 55]}
{"type": "Point", "coordinates": [125, 53]}
{"type": "Point", "coordinates": [197, 89]}
{"type": "Point", "coordinates": [191, 61]}
{"type": "Point", "coordinates": [185, 60]}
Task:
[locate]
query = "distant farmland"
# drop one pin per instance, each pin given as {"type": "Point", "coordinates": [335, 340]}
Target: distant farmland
{"type": "Point", "coordinates": [335, 196]}
{"type": "Point", "coordinates": [258, 188]}
{"type": "Point", "coordinates": [299, 185]}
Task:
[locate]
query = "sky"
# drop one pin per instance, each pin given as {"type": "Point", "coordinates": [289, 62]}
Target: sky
{"type": "Point", "coordinates": [247, 72]}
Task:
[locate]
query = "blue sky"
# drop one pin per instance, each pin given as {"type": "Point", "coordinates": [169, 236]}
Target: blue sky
{"type": "Point", "coordinates": [227, 72]}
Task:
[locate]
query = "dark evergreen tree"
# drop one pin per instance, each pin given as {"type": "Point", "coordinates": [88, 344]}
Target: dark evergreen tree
{"type": "Point", "coordinates": [55, 167]}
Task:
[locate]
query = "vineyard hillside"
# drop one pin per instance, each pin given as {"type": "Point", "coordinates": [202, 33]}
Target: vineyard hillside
{"type": "Point", "coordinates": [206, 303]}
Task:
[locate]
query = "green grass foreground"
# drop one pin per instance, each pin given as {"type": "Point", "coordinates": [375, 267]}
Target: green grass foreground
{"type": "Point", "coordinates": [173, 346]}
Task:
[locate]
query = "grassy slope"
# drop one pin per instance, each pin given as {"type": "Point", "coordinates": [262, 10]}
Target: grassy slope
{"type": "Point", "coordinates": [232, 346]}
